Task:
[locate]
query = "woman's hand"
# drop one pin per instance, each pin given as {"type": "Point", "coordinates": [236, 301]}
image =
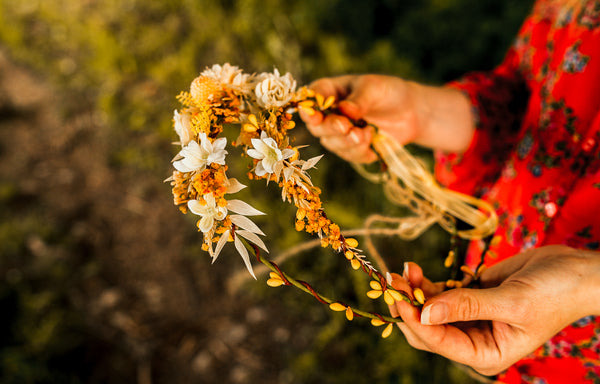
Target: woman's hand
{"type": "Point", "coordinates": [436, 117]}
{"type": "Point", "coordinates": [525, 301]}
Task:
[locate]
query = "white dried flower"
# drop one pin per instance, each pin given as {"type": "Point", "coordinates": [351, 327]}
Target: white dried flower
{"type": "Point", "coordinates": [265, 149]}
{"type": "Point", "coordinates": [231, 76]}
{"type": "Point", "coordinates": [183, 127]}
{"type": "Point", "coordinates": [209, 212]}
{"type": "Point", "coordinates": [274, 90]}
{"type": "Point", "coordinates": [196, 157]}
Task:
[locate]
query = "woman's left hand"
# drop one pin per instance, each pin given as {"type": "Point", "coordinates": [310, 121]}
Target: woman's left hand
{"type": "Point", "coordinates": [525, 300]}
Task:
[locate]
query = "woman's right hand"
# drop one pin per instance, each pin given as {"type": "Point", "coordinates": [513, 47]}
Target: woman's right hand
{"type": "Point", "coordinates": [436, 117]}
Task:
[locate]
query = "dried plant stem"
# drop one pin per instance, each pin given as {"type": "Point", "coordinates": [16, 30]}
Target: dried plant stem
{"type": "Point", "coordinates": [304, 286]}
{"type": "Point", "coordinates": [236, 281]}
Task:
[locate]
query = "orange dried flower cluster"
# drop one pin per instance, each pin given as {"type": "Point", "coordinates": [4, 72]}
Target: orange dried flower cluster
{"type": "Point", "coordinates": [212, 180]}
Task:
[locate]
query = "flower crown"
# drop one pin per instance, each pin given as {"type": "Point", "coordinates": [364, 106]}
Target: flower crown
{"type": "Point", "coordinates": [262, 107]}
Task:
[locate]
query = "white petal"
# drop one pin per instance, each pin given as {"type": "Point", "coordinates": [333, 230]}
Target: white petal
{"type": "Point", "coordinates": [210, 200]}
{"type": "Point", "coordinates": [255, 154]}
{"type": "Point", "coordinates": [185, 166]}
{"type": "Point", "coordinates": [268, 163]}
{"type": "Point", "coordinates": [206, 223]}
{"type": "Point", "coordinates": [245, 223]}
{"type": "Point", "coordinates": [217, 157]}
{"type": "Point", "coordinates": [253, 238]}
{"type": "Point", "coordinates": [233, 185]}
{"type": "Point", "coordinates": [311, 162]}
{"type": "Point", "coordinates": [287, 153]}
{"type": "Point", "coordinates": [220, 144]}
{"type": "Point", "coordinates": [261, 147]}
{"type": "Point", "coordinates": [221, 244]}
{"type": "Point", "coordinates": [260, 170]}
{"type": "Point", "coordinates": [244, 253]}
{"type": "Point", "coordinates": [243, 208]}
{"type": "Point", "coordinates": [197, 207]}
{"type": "Point", "coordinates": [270, 142]}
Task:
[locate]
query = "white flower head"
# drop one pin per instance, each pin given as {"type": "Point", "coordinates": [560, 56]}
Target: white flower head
{"type": "Point", "coordinates": [231, 76]}
{"type": "Point", "coordinates": [274, 90]}
{"type": "Point", "coordinates": [196, 157]}
{"type": "Point", "coordinates": [270, 156]}
{"type": "Point", "coordinates": [183, 127]}
{"type": "Point", "coordinates": [209, 212]}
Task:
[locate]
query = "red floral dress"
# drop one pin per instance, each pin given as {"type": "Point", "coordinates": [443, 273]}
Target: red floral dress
{"type": "Point", "coordinates": [536, 157]}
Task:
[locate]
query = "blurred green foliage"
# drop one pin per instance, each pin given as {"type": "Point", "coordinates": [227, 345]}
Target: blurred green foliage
{"type": "Point", "coordinates": [127, 59]}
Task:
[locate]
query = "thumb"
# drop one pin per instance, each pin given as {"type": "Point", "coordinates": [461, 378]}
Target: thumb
{"type": "Point", "coordinates": [358, 102]}
{"type": "Point", "coordinates": [470, 304]}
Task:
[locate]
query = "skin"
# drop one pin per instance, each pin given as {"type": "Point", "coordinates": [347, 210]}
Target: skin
{"type": "Point", "coordinates": [435, 117]}
{"type": "Point", "coordinates": [524, 300]}
{"type": "Point", "coordinates": [517, 310]}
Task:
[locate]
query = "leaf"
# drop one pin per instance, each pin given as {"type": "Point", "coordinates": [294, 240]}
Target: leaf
{"type": "Point", "coordinates": [287, 173]}
{"type": "Point", "coordinates": [245, 223]}
{"type": "Point", "coordinates": [243, 208]}
{"type": "Point", "coordinates": [234, 185]}
{"type": "Point", "coordinates": [244, 253]}
{"type": "Point", "coordinates": [221, 244]}
{"type": "Point", "coordinates": [310, 163]}
{"type": "Point", "coordinates": [277, 170]}
{"type": "Point", "coordinates": [253, 238]}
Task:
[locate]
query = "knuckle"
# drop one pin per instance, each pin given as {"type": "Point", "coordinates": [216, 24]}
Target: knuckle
{"type": "Point", "coordinates": [468, 308]}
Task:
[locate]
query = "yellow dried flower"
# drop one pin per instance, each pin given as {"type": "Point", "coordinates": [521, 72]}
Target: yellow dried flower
{"type": "Point", "coordinates": [387, 331]}
{"type": "Point", "coordinates": [275, 280]}
{"type": "Point", "coordinates": [351, 242]}
{"type": "Point", "coordinates": [377, 322]}
{"type": "Point", "coordinates": [419, 295]}
{"type": "Point", "coordinates": [338, 307]}
{"type": "Point", "coordinates": [349, 314]}
{"type": "Point", "coordinates": [449, 259]}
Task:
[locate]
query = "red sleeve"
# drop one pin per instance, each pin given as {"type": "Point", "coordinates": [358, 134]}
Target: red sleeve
{"type": "Point", "coordinates": [498, 99]}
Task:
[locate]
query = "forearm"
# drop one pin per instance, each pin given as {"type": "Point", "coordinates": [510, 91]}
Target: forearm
{"type": "Point", "coordinates": [589, 288]}
{"type": "Point", "coordinates": [445, 118]}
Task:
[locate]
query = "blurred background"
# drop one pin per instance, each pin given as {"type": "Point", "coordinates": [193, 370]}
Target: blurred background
{"type": "Point", "coordinates": [102, 280]}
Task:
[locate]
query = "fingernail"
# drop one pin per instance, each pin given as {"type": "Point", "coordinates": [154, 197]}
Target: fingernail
{"type": "Point", "coordinates": [341, 127]}
{"type": "Point", "coordinates": [388, 278]}
{"type": "Point", "coordinates": [405, 272]}
{"type": "Point", "coordinates": [436, 313]}
{"type": "Point", "coordinates": [354, 137]}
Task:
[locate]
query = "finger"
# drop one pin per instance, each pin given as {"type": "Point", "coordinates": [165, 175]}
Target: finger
{"type": "Point", "coordinates": [312, 120]}
{"type": "Point", "coordinates": [338, 87]}
{"type": "Point", "coordinates": [414, 274]}
{"type": "Point", "coordinates": [446, 340]}
{"type": "Point", "coordinates": [503, 304]}
{"type": "Point", "coordinates": [331, 125]}
{"type": "Point", "coordinates": [412, 338]}
{"type": "Point", "coordinates": [354, 147]}
{"type": "Point", "coordinates": [499, 272]}
{"type": "Point", "coordinates": [399, 283]}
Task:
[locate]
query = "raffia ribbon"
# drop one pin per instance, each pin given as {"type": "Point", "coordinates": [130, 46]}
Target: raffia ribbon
{"type": "Point", "coordinates": [410, 184]}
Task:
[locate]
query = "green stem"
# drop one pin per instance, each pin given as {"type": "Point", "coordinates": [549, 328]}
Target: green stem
{"type": "Point", "coordinates": [323, 299]}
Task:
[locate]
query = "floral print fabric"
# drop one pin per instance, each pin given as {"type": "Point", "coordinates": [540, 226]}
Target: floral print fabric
{"type": "Point", "coordinates": [536, 157]}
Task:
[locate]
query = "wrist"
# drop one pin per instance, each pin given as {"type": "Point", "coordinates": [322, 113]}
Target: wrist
{"type": "Point", "coordinates": [590, 287]}
{"type": "Point", "coordinates": [444, 116]}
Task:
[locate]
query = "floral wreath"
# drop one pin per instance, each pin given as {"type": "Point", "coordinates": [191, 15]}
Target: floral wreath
{"type": "Point", "coordinates": [262, 106]}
